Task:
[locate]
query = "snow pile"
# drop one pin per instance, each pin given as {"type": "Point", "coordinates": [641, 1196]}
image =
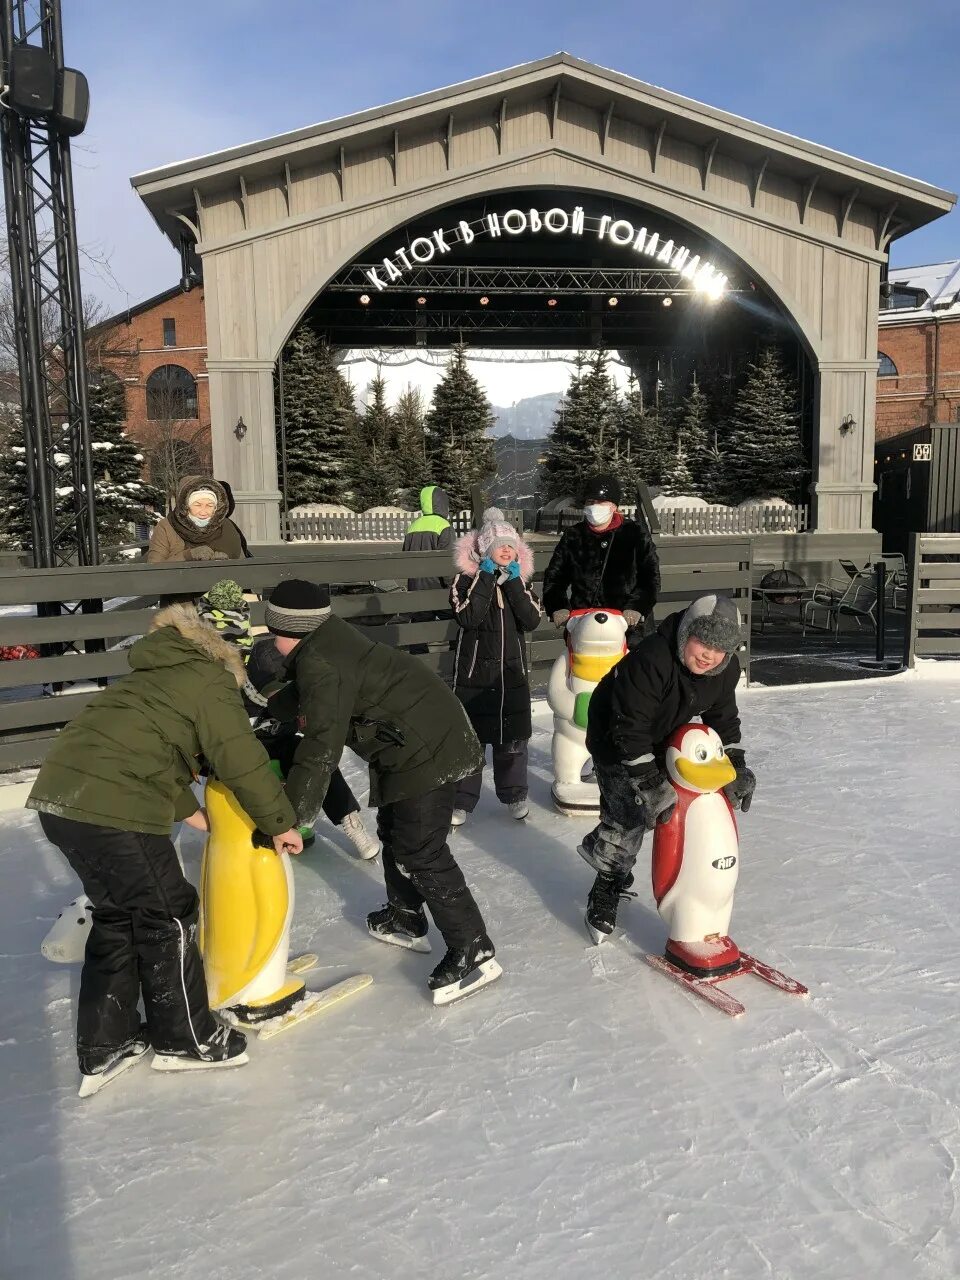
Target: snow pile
{"type": "Point", "coordinates": [581, 1117]}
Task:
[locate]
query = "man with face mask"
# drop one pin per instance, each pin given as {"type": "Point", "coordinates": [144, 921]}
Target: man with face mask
{"type": "Point", "coordinates": [605, 560]}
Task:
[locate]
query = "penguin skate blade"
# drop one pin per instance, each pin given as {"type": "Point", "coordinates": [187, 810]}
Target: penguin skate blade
{"type": "Point", "coordinates": [303, 964]}
{"type": "Point", "coordinates": [313, 1002]}
{"type": "Point", "coordinates": [89, 1085]}
{"type": "Point", "coordinates": [173, 1062]}
{"type": "Point", "coordinates": [482, 976]}
{"type": "Point", "coordinates": [402, 940]}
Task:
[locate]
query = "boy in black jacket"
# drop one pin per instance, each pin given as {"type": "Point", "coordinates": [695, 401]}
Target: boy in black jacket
{"type": "Point", "coordinates": [687, 668]}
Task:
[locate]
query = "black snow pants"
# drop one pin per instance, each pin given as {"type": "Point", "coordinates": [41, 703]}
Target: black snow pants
{"type": "Point", "coordinates": [615, 841]}
{"type": "Point", "coordinates": [509, 777]}
{"type": "Point", "coordinates": [142, 940]}
{"type": "Point", "coordinates": [419, 868]}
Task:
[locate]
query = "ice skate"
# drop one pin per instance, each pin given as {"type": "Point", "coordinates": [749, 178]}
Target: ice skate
{"type": "Point", "coordinates": [400, 928]}
{"type": "Point", "coordinates": [366, 845]}
{"type": "Point", "coordinates": [464, 970]}
{"type": "Point", "coordinates": [99, 1070]}
{"type": "Point", "coordinates": [518, 809]}
{"type": "Point", "coordinates": [602, 904]}
{"type": "Point", "coordinates": [458, 817]}
{"type": "Point", "coordinates": [226, 1047]}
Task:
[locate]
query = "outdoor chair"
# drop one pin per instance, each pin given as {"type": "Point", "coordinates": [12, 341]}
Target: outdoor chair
{"type": "Point", "coordinates": [856, 598]}
{"type": "Point", "coordinates": [851, 570]}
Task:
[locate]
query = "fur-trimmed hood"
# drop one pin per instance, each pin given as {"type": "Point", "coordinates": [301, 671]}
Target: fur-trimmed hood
{"type": "Point", "coordinates": [154, 650]}
{"type": "Point", "coordinates": [467, 557]}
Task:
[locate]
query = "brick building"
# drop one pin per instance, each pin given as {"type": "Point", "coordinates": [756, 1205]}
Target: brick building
{"type": "Point", "coordinates": [158, 349]}
{"type": "Point", "coordinates": [918, 346]}
{"type": "Point", "coordinates": [917, 454]}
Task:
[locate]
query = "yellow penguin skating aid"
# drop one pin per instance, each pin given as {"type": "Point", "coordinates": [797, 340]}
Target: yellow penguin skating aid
{"type": "Point", "coordinates": [246, 903]}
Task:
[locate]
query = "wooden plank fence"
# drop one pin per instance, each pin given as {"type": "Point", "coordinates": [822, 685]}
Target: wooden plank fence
{"type": "Point", "coordinates": [366, 526]}
{"type": "Point", "coordinates": [110, 604]}
{"type": "Point", "coordinates": [699, 522]}
{"type": "Point", "coordinates": [933, 597]}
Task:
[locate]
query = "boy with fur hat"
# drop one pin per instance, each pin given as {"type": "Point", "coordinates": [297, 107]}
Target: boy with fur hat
{"type": "Point", "coordinates": [393, 712]}
{"type": "Point", "coordinates": [493, 605]}
{"type": "Point", "coordinates": [687, 668]}
{"type": "Point", "coordinates": [604, 561]}
{"type": "Point", "coordinates": [109, 791]}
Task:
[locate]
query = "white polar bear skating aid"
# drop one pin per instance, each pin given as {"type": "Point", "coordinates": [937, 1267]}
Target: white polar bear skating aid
{"type": "Point", "coordinates": [596, 641]}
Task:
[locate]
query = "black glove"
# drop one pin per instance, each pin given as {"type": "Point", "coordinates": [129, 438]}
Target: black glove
{"type": "Point", "coordinates": [261, 840]}
{"type": "Point", "coordinates": [653, 791]}
{"type": "Point", "coordinates": [740, 791]}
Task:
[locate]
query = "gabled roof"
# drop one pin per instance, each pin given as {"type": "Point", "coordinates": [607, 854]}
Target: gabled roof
{"type": "Point", "coordinates": [916, 202]}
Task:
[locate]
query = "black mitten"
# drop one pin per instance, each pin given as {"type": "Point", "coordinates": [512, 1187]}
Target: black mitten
{"type": "Point", "coordinates": [261, 840]}
{"type": "Point", "coordinates": [653, 791]}
{"type": "Point", "coordinates": [740, 791]}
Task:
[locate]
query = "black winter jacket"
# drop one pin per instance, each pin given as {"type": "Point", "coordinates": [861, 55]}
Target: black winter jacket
{"type": "Point", "coordinates": [383, 704]}
{"type": "Point", "coordinates": [490, 672]}
{"type": "Point", "coordinates": [618, 569]}
{"type": "Point", "coordinates": [649, 693]}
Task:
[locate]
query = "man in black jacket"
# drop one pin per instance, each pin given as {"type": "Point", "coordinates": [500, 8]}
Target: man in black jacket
{"type": "Point", "coordinates": [604, 561]}
{"type": "Point", "coordinates": [687, 668]}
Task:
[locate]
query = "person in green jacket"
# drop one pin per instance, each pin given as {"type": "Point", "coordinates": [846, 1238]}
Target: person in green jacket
{"type": "Point", "coordinates": [400, 717]}
{"type": "Point", "coordinates": [113, 784]}
{"type": "Point", "coordinates": [430, 531]}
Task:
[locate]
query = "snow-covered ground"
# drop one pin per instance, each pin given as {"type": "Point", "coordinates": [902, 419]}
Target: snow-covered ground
{"type": "Point", "coordinates": [583, 1117]}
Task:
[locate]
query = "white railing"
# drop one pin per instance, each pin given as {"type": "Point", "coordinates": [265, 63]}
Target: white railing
{"type": "Point", "coordinates": [367, 526]}
{"type": "Point", "coordinates": [705, 520]}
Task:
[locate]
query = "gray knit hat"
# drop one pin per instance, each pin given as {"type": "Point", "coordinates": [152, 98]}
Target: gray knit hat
{"type": "Point", "coordinates": [714, 621]}
{"type": "Point", "coordinates": [296, 608]}
{"type": "Point", "coordinates": [496, 531]}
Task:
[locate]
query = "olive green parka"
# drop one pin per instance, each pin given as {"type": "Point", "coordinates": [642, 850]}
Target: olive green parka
{"type": "Point", "coordinates": [128, 758]}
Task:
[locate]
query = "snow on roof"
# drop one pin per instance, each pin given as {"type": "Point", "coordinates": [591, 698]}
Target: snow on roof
{"type": "Point", "coordinates": [939, 286]}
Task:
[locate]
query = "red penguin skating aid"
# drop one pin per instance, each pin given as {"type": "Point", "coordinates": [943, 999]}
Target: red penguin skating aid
{"type": "Point", "coordinates": [695, 866]}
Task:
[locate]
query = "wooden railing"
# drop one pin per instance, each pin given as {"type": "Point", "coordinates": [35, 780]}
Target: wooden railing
{"type": "Point", "coordinates": [702, 521]}
{"type": "Point", "coordinates": [81, 650]}
{"type": "Point", "coordinates": [933, 596]}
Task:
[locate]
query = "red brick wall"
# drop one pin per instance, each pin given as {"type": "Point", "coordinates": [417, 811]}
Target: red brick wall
{"type": "Point", "coordinates": [132, 347]}
{"type": "Point", "coordinates": [906, 401]}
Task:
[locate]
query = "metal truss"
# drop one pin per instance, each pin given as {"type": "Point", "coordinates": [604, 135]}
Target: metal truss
{"type": "Point", "coordinates": [47, 314]}
{"type": "Point", "coordinates": [553, 281]}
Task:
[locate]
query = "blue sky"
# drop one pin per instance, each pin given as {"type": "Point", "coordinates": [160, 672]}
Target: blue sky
{"type": "Point", "coordinates": [878, 80]}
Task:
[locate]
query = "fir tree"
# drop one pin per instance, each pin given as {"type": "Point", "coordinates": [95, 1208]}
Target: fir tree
{"type": "Point", "coordinates": [561, 472]}
{"type": "Point", "coordinates": [413, 472]}
{"type": "Point", "coordinates": [373, 463]}
{"type": "Point", "coordinates": [694, 432]}
{"type": "Point", "coordinates": [587, 431]}
{"type": "Point", "coordinates": [677, 480]}
{"type": "Point", "coordinates": [644, 436]}
{"type": "Point", "coordinates": [763, 453]}
{"type": "Point", "coordinates": [715, 485]}
{"type": "Point", "coordinates": [460, 449]}
{"type": "Point", "coordinates": [123, 498]}
{"type": "Point", "coordinates": [319, 413]}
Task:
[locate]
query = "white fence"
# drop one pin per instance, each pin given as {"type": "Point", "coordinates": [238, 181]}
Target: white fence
{"type": "Point", "coordinates": [706, 520]}
{"type": "Point", "coordinates": [368, 526]}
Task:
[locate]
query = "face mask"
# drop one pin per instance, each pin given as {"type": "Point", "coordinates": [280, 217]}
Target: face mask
{"type": "Point", "coordinates": [200, 523]}
{"type": "Point", "coordinates": [599, 513]}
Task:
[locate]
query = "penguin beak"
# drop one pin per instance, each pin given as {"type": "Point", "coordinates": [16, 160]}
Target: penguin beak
{"type": "Point", "coordinates": [706, 777]}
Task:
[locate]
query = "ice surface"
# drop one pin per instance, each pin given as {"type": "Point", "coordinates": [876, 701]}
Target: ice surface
{"type": "Point", "coordinates": [581, 1117]}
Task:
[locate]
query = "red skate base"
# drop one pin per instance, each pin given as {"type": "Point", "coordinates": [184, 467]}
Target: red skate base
{"type": "Point", "coordinates": [709, 958]}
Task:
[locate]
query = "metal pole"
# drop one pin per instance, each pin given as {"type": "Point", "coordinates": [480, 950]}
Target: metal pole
{"type": "Point", "coordinates": [879, 663]}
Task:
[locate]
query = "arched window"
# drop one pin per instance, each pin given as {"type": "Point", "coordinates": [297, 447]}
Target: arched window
{"type": "Point", "coordinates": [171, 394]}
{"type": "Point", "coordinates": [885, 366]}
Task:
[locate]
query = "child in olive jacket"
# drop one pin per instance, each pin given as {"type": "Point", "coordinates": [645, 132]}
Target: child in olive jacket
{"type": "Point", "coordinates": [113, 784]}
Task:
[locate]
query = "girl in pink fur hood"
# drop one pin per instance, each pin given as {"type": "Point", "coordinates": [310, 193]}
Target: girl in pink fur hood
{"type": "Point", "coordinates": [493, 606]}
